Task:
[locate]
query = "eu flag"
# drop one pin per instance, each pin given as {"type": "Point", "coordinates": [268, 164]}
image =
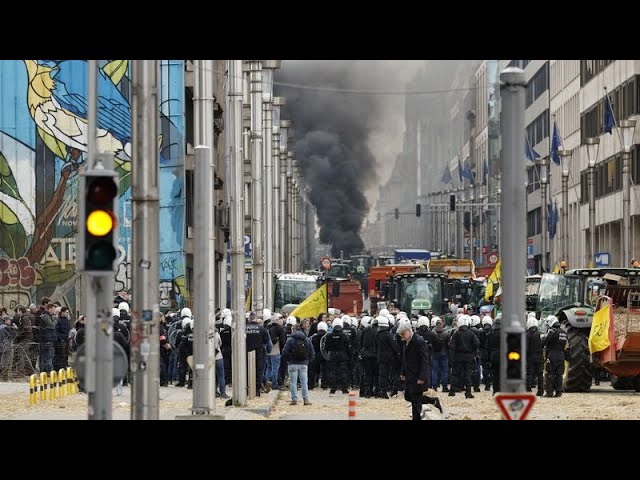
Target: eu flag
{"type": "Point", "coordinates": [556, 143]}
{"type": "Point", "coordinates": [529, 151]}
{"type": "Point", "coordinates": [446, 176]}
{"type": "Point", "coordinates": [609, 119]}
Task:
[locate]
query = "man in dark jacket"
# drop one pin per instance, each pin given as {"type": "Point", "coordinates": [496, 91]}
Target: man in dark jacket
{"type": "Point", "coordinates": [258, 340]}
{"type": "Point", "coordinates": [554, 344]}
{"type": "Point", "coordinates": [61, 352]}
{"type": "Point", "coordinates": [48, 338]}
{"type": "Point", "coordinates": [415, 371]}
{"type": "Point", "coordinates": [534, 356]}
{"type": "Point", "coordinates": [298, 352]}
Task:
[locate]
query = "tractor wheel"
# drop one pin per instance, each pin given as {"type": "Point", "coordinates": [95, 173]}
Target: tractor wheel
{"type": "Point", "coordinates": [578, 378]}
{"type": "Point", "coordinates": [623, 383]}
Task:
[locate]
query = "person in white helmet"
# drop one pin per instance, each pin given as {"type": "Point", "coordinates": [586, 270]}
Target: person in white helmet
{"type": "Point", "coordinates": [318, 367]}
{"type": "Point", "coordinates": [388, 352]}
{"type": "Point", "coordinates": [338, 349]}
{"type": "Point", "coordinates": [464, 345]}
{"type": "Point", "coordinates": [487, 323]}
{"type": "Point", "coordinates": [259, 341]}
{"type": "Point", "coordinates": [535, 357]}
{"type": "Point", "coordinates": [226, 344]}
{"type": "Point", "coordinates": [554, 344]}
{"type": "Point", "coordinates": [475, 327]}
{"type": "Point", "coordinates": [368, 360]}
{"type": "Point", "coordinates": [440, 355]}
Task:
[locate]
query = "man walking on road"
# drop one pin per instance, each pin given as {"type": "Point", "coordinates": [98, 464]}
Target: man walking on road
{"type": "Point", "coordinates": [415, 371]}
{"type": "Point", "coordinates": [298, 352]}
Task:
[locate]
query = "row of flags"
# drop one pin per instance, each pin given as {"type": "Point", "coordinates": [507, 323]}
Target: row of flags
{"type": "Point", "coordinates": [464, 169]}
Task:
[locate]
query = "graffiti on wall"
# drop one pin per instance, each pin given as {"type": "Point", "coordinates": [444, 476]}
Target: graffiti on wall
{"type": "Point", "coordinates": [43, 147]}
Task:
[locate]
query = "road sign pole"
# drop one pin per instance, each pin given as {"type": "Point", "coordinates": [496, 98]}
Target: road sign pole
{"type": "Point", "coordinates": [514, 254]}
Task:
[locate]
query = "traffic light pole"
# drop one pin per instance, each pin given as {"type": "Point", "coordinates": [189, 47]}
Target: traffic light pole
{"type": "Point", "coordinates": [145, 318]}
{"type": "Point", "coordinates": [514, 254]}
{"type": "Point", "coordinates": [102, 292]}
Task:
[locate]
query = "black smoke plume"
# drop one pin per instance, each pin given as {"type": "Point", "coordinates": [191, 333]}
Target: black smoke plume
{"type": "Point", "coordinates": [331, 131]}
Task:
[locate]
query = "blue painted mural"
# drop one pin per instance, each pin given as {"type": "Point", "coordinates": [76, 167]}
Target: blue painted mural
{"type": "Point", "coordinates": [43, 144]}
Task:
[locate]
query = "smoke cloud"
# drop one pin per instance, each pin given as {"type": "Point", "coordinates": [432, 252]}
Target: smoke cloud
{"type": "Point", "coordinates": [346, 143]}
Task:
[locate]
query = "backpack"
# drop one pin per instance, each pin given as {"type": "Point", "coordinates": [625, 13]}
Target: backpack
{"type": "Point", "coordinates": [300, 352]}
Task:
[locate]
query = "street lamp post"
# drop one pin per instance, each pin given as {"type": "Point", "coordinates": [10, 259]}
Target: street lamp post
{"type": "Point", "coordinates": [544, 180]}
{"type": "Point", "coordinates": [627, 127]}
{"type": "Point", "coordinates": [592, 156]}
{"type": "Point", "coordinates": [565, 160]}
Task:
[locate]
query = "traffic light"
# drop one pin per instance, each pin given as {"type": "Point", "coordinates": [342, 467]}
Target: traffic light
{"type": "Point", "coordinates": [417, 209]}
{"type": "Point", "coordinates": [452, 203]}
{"type": "Point", "coordinates": [514, 356]}
{"type": "Point", "coordinates": [396, 213]}
{"type": "Point", "coordinates": [98, 204]}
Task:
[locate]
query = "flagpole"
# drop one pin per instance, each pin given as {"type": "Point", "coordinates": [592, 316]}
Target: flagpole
{"type": "Point", "coordinates": [613, 114]}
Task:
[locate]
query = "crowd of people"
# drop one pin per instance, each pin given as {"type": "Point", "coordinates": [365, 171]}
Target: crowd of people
{"type": "Point", "coordinates": [381, 356]}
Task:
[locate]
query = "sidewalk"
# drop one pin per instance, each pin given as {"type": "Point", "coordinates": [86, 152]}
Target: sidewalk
{"type": "Point", "coordinates": [174, 401]}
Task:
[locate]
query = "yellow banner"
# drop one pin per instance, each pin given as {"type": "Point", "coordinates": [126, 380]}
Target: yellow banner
{"type": "Point", "coordinates": [247, 303]}
{"type": "Point", "coordinates": [599, 335]}
{"type": "Point", "coordinates": [313, 305]}
{"type": "Point", "coordinates": [493, 278]}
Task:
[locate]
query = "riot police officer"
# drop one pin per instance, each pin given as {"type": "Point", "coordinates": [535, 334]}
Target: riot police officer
{"type": "Point", "coordinates": [554, 344]}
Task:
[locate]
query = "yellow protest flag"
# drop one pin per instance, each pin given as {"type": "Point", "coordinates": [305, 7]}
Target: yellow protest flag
{"type": "Point", "coordinates": [493, 278]}
{"type": "Point", "coordinates": [556, 269]}
{"type": "Point", "coordinates": [313, 305]}
{"type": "Point", "coordinates": [599, 334]}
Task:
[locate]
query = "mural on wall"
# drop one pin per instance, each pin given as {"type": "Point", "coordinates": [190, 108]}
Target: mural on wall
{"type": "Point", "coordinates": [43, 144]}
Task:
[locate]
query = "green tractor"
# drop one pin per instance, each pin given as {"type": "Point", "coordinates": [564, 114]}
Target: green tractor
{"type": "Point", "coordinates": [572, 298]}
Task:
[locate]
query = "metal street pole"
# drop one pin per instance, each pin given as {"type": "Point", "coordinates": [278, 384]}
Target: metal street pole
{"type": "Point", "coordinates": [90, 299]}
{"type": "Point", "coordinates": [289, 221]}
{"type": "Point", "coordinates": [592, 144]}
{"type": "Point", "coordinates": [257, 289]}
{"type": "Point", "coordinates": [268, 67]}
{"type": "Point", "coordinates": [145, 318]}
{"type": "Point", "coordinates": [472, 248]}
{"type": "Point", "coordinates": [238, 326]}
{"type": "Point", "coordinates": [277, 219]}
{"type": "Point", "coordinates": [514, 177]}
{"type": "Point", "coordinates": [204, 241]}
{"type": "Point", "coordinates": [565, 158]}
{"type": "Point", "coordinates": [285, 126]}
{"type": "Point", "coordinates": [544, 179]}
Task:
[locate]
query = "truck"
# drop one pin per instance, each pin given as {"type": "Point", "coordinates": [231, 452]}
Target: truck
{"type": "Point", "coordinates": [411, 255]}
{"type": "Point", "coordinates": [292, 289]}
{"type": "Point", "coordinates": [574, 297]}
{"type": "Point", "coordinates": [462, 285]}
{"type": "Point", "coordinates": [379, 280]}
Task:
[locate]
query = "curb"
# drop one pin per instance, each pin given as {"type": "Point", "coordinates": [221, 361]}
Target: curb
{"type": "Point", "coordinates": [265, 411]}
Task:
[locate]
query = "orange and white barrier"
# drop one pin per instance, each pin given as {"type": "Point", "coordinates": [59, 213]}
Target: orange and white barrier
{"type": "Point", "coordinates": [352, 406]}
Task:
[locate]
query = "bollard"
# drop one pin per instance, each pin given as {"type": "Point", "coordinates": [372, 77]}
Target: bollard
{"type": "Point", "coordinates": [251, 369]}
{"type": "Point", "coordinates": [53, 384]}
{"type": "Point", "coordinates": [76, 382]}
{"type": "Point", "coordinates": [70, 382]}
{"type": "Point", "coordinates": [33, 389]}
{"type": "Point", "coordinates": [352, 406]}
{"type": "Point", "coordinates": [62, 383]}
{"type": "Point", "coordinates": [44, 383]}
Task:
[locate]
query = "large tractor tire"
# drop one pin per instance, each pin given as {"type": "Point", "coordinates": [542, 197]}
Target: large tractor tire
{"type": "Point", "coordinates": [624, 383]}
{"type": "Point", "coordinates": [578, 377]}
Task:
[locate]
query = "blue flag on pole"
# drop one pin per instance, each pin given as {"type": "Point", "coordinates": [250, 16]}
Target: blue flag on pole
{"type": "Point", "coordinates": [609, 119]}
{"type": "Point", "coordinates": [485, 172]}
{"type": "Point", "coordinates": [556, 143]}
{"type": "Point", "coordinates": [459, 169]}
{"type": "Point", "coordinates": [529, 151]}
{"type": "Point", "coordinates": [466, 172]}
{"type": "Point", "coordinates": [446, 176]}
